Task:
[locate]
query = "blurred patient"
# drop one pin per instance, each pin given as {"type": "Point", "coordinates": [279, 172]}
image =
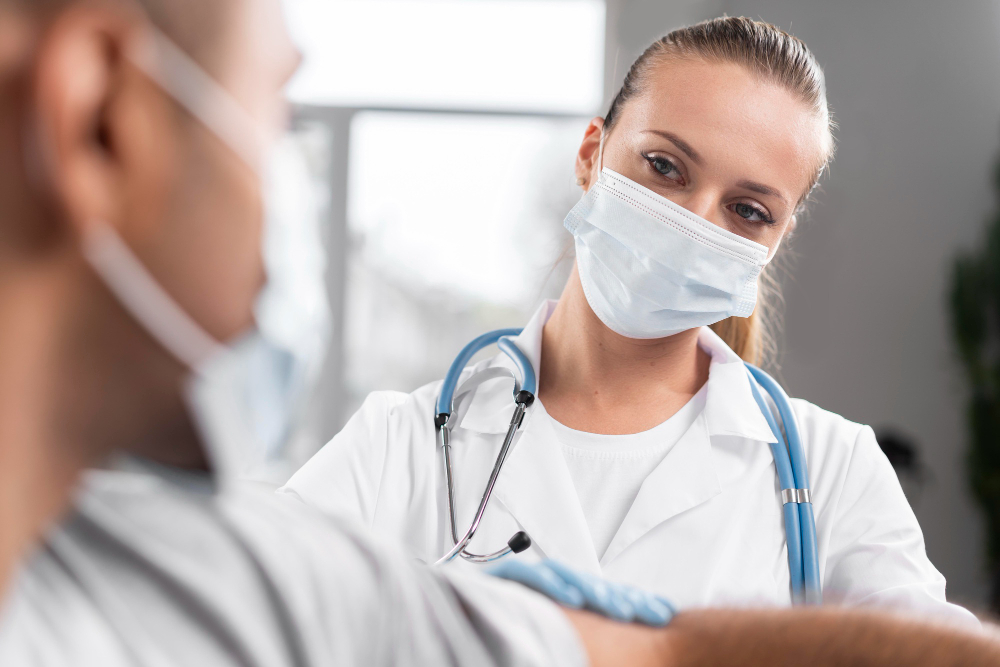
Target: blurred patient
{"type": "Point", "coordinates": [130, 239]}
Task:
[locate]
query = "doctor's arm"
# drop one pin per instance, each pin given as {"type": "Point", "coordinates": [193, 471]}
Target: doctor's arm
{"type": "Point", "coordinates": [817, 636]}
{"type": "Point", "coordinates": [344, 477]}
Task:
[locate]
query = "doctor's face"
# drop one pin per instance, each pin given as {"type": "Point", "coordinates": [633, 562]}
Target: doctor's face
{"type": "Point", "coordinates": [736, 150]}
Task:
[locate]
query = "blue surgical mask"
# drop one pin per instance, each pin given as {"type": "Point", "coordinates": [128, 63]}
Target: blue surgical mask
{"type": "Point", "coordinates": [244, 395]}
{"type": "Point", "coordinates": [652, 269]}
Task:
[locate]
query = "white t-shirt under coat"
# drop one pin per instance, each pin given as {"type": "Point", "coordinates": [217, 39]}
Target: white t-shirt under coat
{"type": "Point", "coordinates": [609, 470]}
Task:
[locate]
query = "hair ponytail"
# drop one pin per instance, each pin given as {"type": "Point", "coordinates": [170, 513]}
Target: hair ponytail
{"type": "Point", "coordinates": [743, 335]}
{"type": "Point", "coordinates": [754, 338]}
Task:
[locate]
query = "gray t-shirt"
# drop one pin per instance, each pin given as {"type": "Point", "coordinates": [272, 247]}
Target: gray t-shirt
{"type": "Point", "coordinates": [156, 571]}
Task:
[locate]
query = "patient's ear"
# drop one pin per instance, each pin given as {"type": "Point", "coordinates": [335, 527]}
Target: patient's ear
{"type": "Point", "coordinates": [99, 156]}
{"type": "Point", "coordinates": [587, 159]}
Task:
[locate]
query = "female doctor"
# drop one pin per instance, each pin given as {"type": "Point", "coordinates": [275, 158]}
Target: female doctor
{"type": "Point", "coordinates": [645, 457]}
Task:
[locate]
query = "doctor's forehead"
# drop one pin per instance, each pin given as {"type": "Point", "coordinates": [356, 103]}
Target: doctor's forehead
{"type": "Point", "coordinates": [732, 118]}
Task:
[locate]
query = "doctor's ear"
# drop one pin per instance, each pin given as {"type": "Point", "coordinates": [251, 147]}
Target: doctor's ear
{"type": "Point", "coordinates": [587, 159]}
{"type": "Point", "coordinates": [97, 139]}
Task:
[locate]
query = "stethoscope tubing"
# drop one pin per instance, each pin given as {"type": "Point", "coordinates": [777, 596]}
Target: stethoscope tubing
{"type": "Point", "coordinates": [524, 396]}
{"type": "Point", "coordinates": [463, 359]}
{"type": "Point", "coordinates": [793, 473]}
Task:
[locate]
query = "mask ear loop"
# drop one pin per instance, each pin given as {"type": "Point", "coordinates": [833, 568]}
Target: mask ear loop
{"type": "Point", "coordinates": [116, 264]}
{"type": "Point", "coordinates": [142, 296]}
{"type": "Point", "coordinates": [184, 80]}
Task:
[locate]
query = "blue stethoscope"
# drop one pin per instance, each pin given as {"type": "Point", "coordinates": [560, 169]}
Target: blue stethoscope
{"type": "Point", "coordinates": [789, 459]}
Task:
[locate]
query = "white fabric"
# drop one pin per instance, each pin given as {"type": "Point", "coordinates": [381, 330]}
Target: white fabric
{"type": "Point", "coordinates": [651, 268]}
{"type": "Point", "coordinates": [705, 529]}
{"type": "Point", "coordinates": [151, 573]}
{"type": "Point", "coordinates": [608, 470]}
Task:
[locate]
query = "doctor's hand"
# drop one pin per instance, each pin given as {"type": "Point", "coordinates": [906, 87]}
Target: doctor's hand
{"type": "Point", "coordinates": [578, 590]}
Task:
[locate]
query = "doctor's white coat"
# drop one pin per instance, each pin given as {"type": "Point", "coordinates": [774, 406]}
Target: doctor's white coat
{"type": "Point", "coordinates": [705, 529]}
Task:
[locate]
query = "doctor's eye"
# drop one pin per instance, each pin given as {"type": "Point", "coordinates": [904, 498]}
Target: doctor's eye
{"type": "Point", "coordinates": [751, 213]}
{"type": "Point", "coordinates": [665, 167]}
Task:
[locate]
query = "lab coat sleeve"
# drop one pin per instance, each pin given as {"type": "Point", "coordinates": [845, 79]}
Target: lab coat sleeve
{"type": "Point", "coordinates": [877, 555]}
{"type": "Point", "coordinates": [343, 478]}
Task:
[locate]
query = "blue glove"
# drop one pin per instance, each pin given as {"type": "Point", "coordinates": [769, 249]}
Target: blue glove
{"type": "Point", "coordinates": [577, 590]}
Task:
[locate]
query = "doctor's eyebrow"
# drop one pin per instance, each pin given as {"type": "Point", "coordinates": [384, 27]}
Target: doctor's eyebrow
{"type": "Point", "coordinates": [762, 189]}
{"type": "Point", "coordinates": [684, 146]}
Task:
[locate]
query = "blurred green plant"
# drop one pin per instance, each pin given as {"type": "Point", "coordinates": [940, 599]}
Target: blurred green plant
{"type": "Point", "coordinates": [975, 325]}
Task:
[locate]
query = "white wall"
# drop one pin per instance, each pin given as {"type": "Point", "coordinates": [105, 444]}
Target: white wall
{"type": "Point", "coordinates": [915, 85]}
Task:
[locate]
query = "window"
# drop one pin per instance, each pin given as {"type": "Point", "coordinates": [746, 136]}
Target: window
{"type": "Point", "coordinates": [446, 131]}
{"type": "Point", "coordinates": [523, 55]}
{"type": "Point", "coordinates": [455, 226]}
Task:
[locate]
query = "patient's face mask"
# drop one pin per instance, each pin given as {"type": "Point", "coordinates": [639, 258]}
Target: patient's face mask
{"type": "Point", "coordinates": [243, 396]}
{"type": "Point", "coordinates": [651, 268]}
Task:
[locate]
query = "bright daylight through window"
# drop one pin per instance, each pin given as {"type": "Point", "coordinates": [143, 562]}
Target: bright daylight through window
{"type": "Point", "coordinates": [516, 55]}
{"type": "Point", "coordinates": [448, 177]}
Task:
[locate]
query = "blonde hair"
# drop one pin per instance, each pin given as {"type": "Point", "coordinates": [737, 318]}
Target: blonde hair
{"type": "Point", "coordinates": [775, 56]}
{"type": "Point", "coordinates": [754, 338]}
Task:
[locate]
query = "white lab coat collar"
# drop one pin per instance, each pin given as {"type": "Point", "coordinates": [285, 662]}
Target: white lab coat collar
{"type": "Point", "coordinates": [730, 409]}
